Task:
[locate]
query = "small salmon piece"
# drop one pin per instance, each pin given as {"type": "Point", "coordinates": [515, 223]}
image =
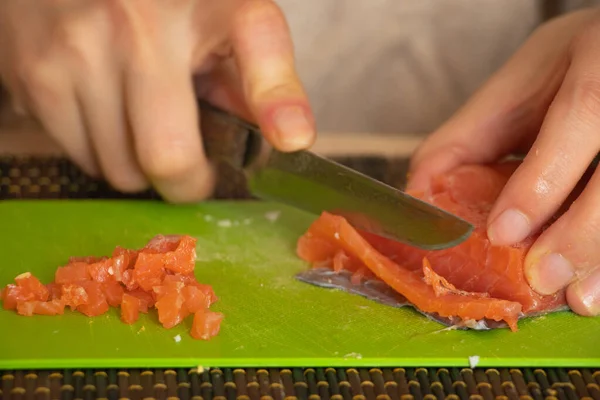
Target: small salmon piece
{"type": "Point", "coordinates": [31, 284]}
{"type": "Point", "coordinates": [130, 309]}
{"type": "Point", "coordinates": [97, 303]}
{"type": "Point", "coordinates": [183, 259]}
{"type": "Point", "coordinates": [129, 280]}
{"type": "Point", "coordinates": [149, 270]}
{"type": "Point", "coordinates": [146, 299]}
{"type": "Point", "coordinates": [101, 271]}
{"type": "Point", "coordinates": [174, 284]}
{"type": "Point", "coordinates": [128, 256]}
{"type": "Point", "coordinates": [120, 264]}
{"type": "Point", "coordinates": [54, 291]}
{"type": "Point", "coordinates": [72, 273]}
{"type": "Point", "coordinates": [206, 324]}
{"type": "Point", "coordinates": [161, 244]}
{"type": "Point", "coordinates": [186, 279]}
{"type": "Point", "coordinates": [114, 292]}
{"type": "Point", "coordinates": [74, 295]}
{"type": "Point", "coordinates": [170, 305]}
{"type": "Point", "coordinates": [208, 291]}
{"type": "Point", "coordinates": [14, 295]}
{"type": "Point", "coordinates": [195, 299]}
{"type": "Point", "coordinates": [177, 253]}
{"type": "Point", "coordinates": [86, 259]}
{"type": "Point", "coordinates": [52, 307]}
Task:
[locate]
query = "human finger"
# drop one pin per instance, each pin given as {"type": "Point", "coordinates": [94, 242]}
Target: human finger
{"type": "Point", "coordinates": [568, 141]}
{"type": "Point", "coordinates": [100, 91]}
{"type": "Point", "coordinates": [568, 253]}
{"type": "Point", "coordinates": [162, 109]}
{"type": "Point", "coordinates": [263, 51]}
{"type": "Point", "coordinates": [48, 93]}
{"type": "Point", "coordinates": [506, 112]}
{"type": "Point", "coordinates": [583, 296]}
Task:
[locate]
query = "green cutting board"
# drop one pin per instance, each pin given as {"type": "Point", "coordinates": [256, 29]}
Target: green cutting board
{"type": "Point", "coordinates": [246, 251]}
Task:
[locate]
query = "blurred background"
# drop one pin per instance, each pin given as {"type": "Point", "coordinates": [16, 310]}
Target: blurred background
{"type": "Point", "coordinates": [399, 66]}
{"type": "Point", "coordinates": [389, 66]}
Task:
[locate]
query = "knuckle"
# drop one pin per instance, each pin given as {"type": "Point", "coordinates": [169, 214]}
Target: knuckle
{"type": "Point", "coordinates": [36, 77]}
{"type": "Point", "coordinates": [587, 95]}
{"type": "Point", "coordinates": [78, 34]}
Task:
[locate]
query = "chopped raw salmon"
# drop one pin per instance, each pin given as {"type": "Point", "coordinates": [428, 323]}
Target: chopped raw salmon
{"type": "Point", "coordinates": [74, 295]}
{"type": "Point", "coordinates": [147, 299]}
{"type": "Point", "coordinates": [97, 303]}
{"type": "Point", "coordinates": [160, 276]}
{"type": "Point", "coordinates": [130, 308]}
{"type": "Point", "coordinates": [149, 270]}
{"type": "Point", "coordinates": [113, 291]}
{"type": "Point", "coordinates": [52, 307]}
{"type": "Point", "coordinates": [54, 291]}
{"type": "Point", "coordinates": [206, 324]}
{"type": "Point", "coordinates": [195, 299]}
{"type": "Point", "coordinates": [31, 284]}
{"type": "Point", "coordinates": [13, 295]}
{"type": "Point", "coordinates": [471, 281]}
{"type": "Point", "coordinates": [73, 272]}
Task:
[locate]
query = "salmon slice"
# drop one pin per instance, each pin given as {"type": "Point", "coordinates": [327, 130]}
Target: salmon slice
{"type": "Point", "coordinates": [160, 275]}
{"type": "Point", "coordinates": [471, 285]}
{"type": "Point", "coordinates": [130, 309]}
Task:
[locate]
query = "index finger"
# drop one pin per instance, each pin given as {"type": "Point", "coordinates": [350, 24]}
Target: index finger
{"type": "Point", "coordinates": [505, 113]}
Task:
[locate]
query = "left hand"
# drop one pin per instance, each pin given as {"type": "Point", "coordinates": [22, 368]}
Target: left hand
{"type": "Point", "coordinates": [546, 100]}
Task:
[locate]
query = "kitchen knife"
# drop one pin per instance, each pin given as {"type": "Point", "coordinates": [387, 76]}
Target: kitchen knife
{"type": "Point", "coordinates": [315, 184]}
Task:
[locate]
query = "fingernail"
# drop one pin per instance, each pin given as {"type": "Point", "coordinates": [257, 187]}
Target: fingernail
{"type": "Point", "coordinates": [587, 295]}
{"type": "Point", "coordinates": [551, 273]}
{"type": "Point", "coordinates": [510, 227]}
{"type": "Point", "coordinates": [293, 128]}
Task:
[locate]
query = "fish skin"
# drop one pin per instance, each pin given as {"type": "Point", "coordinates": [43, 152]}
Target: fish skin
{"type": "Point", "coordinates": [380, 292]}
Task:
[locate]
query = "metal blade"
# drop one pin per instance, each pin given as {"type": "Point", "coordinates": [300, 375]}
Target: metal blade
{"type": "Point", "coordinates": [315, 184]}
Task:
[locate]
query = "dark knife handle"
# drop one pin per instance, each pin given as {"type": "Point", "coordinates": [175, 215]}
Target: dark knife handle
{"type": "Point", "coordinates": [231, 145]}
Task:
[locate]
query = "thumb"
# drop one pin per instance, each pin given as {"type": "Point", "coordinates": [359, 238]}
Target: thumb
{"type": "Point", "coordinates": [264, 55]}
{"type": "Point", "coordinates": [504, 114]}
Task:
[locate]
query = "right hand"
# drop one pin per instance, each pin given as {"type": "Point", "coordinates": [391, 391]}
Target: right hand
{"type": "Point", "coordinates": [112, 82]}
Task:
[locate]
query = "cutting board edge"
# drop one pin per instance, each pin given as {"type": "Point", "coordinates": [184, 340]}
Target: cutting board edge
{"type": "Point", "coordinates": [324, 362]}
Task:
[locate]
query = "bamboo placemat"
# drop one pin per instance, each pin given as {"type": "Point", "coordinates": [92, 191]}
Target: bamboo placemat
{"type": "Point", "coordinates": [57, 178]}
{"type": "Point", "coordinates": [309, 383]}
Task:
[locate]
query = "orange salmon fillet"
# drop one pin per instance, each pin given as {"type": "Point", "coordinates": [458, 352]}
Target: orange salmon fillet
{"type": "Point", "coordinates": [470, 282]}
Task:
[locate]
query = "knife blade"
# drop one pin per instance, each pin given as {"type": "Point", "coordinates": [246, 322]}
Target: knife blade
{"type": "Point", "coordinates": [314, 184]}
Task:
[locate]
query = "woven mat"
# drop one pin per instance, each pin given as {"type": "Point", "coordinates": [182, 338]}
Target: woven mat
{"type": "Point", "coordinates": [313, 384]}
{"type": "Point", "coordinates": [27, 178]}
{"type": "Point", "coordinates": [54, 178]}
